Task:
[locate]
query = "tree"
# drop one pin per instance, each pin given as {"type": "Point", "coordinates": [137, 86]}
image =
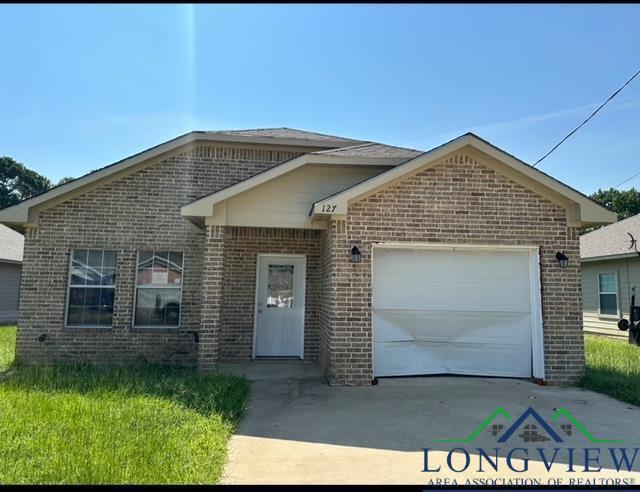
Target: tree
{"type": "Point", "coordinates": [64, 180]}
{"type": "Point", "coordinates": [17, 182]}
{"type": "Point", "coordinates": [624, 203]}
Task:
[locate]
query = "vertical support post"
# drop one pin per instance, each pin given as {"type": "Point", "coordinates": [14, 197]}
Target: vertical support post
{"type": "Point", "coordinates": [212, 278]}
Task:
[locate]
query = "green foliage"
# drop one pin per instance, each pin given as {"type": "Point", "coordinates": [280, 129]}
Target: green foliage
{"type": "Point", "coordinates": [625, 203]}
{"type": "Point", "coordinates": [613, 368]}
{"type": "Point", "coordinates": [7, 346]}
{"type": "Point", "coordinates": [114, 425]}
{"type": "Point", "coordinates": [64, 180]}
{"type": "Point", "coordinates": [17, 182]}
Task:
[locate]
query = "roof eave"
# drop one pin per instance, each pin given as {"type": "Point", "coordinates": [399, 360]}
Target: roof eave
{"type": "Point", "coordinates": [11, 262]}
{"type": "Point", "coordinates": [617, 256]}
{"type": "Point", "coordinates": [589, 212]}
{"type": "Point", "coordinates": [284, 142]}
{"type": "Point", "coordinates": [21, 212]}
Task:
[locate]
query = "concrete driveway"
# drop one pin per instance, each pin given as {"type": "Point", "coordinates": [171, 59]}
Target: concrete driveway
{"type": "Point", "coordinates": [299, 430]}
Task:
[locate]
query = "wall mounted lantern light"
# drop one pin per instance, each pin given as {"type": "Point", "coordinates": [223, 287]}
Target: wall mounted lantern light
{"type": "Point", "coordinates": [562, 259]}
{"type": "Point", "coordinates": [356, 256]}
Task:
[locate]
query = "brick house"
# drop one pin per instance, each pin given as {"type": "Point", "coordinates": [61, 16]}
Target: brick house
{"type": "Point", "coordinates": [373, 260]}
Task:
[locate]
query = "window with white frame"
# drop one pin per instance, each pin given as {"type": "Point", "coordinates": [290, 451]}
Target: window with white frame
{"type": "Point", "coordinates": [158, 289]}
{"type": "Point", "coordinates": [608, 293]}
{"type": "Point", "coordinates": [92, 286]}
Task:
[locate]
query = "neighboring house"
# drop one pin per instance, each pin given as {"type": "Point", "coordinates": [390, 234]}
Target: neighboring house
{"type": "Point", "coordinates": [610, 268]}
{"type": "Point", "coordinates": [277, 243]}
{"type": "Point", "coordinates": [11, 243]}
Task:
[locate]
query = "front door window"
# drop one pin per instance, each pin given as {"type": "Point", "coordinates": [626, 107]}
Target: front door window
{"type": "Point", "coordinates": [280, 286]}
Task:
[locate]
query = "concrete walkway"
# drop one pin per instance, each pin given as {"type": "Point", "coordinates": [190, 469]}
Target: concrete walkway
{"type": "Point", "coordinates": [299, 430]}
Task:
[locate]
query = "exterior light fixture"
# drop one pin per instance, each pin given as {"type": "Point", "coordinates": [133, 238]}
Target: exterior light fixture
{"type": "Point", "coordinates": [356, 256]}
{"type": "Point", "coordinates": [562, 259]}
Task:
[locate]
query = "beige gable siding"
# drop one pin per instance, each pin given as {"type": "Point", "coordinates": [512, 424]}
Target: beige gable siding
{"type": "Point", "coordinates": [628, 270]}
{"type": "Point", "coordinates": [286, 201]}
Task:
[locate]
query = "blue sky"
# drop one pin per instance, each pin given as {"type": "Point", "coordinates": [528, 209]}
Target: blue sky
{"type": "Point", "coordinates": [85, 86]}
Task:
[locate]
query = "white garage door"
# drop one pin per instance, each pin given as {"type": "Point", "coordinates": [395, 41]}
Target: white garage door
{"type": "Point", "coordinates": [456, 311]}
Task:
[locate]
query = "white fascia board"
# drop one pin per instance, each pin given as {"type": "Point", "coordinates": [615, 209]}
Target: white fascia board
{"type": "Point", "coordinates": [203, 207]}
{"type": "Point", "coordinates": [589, 211]}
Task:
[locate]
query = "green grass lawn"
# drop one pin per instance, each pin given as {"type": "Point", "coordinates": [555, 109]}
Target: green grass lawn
{"type": "Point", "coordinates": [613, 368]}
{"type": "Point", "coordinates": [82, 424]}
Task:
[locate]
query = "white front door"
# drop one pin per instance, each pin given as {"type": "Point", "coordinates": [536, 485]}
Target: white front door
{"type": "Point", "coordinates": [279, 328]}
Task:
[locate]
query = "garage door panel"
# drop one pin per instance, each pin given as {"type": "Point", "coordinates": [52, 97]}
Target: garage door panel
{"type": "Point", "coordinates": [407, 293]}
{"type": "Point", "coordinates": [398, 325]}
{"type": "Point", "coordinates": [490, 359]}
{"type": "Point", "coordinates": [450, 294]}
{"type": "Point", "coordinates": [445, 311]}
{"type": "Point", "coordinates": [410, 357]}
{"type": "Point", "coordinates": [450, 326]}
{"type": "Point", "coordinates": [491, 295]}
{"type": "Point", "coordinates": [490, 264]}
{"type": "Point", "coordinates": [412, 264]}
{"type": "Point", "coordinates": [508, 360]}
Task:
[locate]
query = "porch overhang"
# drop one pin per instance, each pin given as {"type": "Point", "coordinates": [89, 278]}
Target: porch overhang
{"type": "Point", "coordinates": [211, 209]}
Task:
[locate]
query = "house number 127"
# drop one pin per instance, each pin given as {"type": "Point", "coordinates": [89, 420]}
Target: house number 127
{"type": "Point", "coordinates": [329, 208]}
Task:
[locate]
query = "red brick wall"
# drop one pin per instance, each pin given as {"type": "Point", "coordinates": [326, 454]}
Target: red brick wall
{"type": "Point", "coordinates": [139, 211]}
{"type": "Point", "coordinates": [457, 201]}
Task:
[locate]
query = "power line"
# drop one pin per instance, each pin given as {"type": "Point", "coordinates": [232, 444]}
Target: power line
{"type": "Point", "coordinates": [585, 121]}
{"type": "Point", "coordinates": [628, 179]}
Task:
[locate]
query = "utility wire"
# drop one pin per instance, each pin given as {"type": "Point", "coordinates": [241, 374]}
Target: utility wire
{"type": "Point", "coordinates": [628, 179]}
{"type": "Point", "coordinates": [585, 121]}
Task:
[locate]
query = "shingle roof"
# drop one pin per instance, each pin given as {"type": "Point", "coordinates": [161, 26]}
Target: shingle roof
{"type": "Point", "coordinates": [372, 149]}
{"type": "Point", "coordinates": [611, 240]}
{"type": "Point", "coordinates": [11, 244]}
{"type": "Point", "coordinates": [284, 132]}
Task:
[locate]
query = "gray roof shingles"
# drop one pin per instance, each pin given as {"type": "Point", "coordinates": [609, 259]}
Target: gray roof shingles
{"type": "Point", "coordinates": [289, 133]}
{"type": "Point", "coordinates": [11, 244]}
{"type": "Point", "coordinates": [610, 240]}
{"type": "Point", "coordinates": [372, 149]}
{"type": "Point", "coordinates": [347, 146]}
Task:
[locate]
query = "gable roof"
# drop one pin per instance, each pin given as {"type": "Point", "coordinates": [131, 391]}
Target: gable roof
{"type": "Point", "coordinates": [203, 206]}
{"type": "Point", "coordinates": [612, 241]}
{"type": "Point", "coordinates": [584, 210]}
{"type": "Point", "coordinates": [11, 245]}
{"type": "Point", "coordinates": [286, 133]}
{"type": "Point", "coordinates": [372, 149]}
{"type": "Point", "coordinates": [286, 137]}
